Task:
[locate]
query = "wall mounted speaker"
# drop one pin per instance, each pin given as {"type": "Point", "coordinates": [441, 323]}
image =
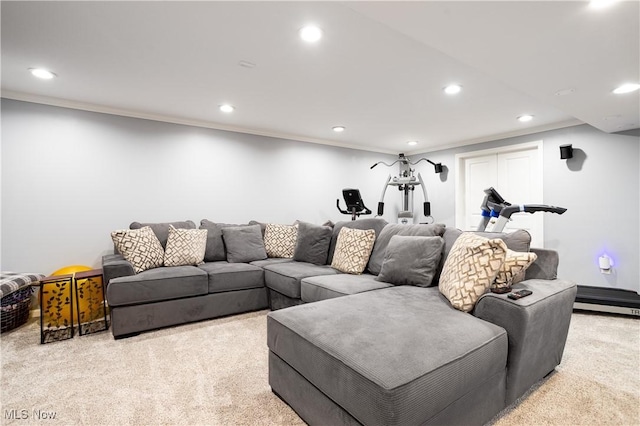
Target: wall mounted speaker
{"type": "Point", "coordinates": [566, 151]}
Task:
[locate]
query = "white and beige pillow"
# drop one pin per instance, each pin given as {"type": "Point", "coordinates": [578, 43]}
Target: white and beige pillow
{"type": "Point", "coordinates": [140, 247]}
{"type": "Point", "coordinates": [280, 240]}
{"type": "Point", "coordinates": [185, 246]}
{"type": "Point", "coordinates": [353, 248]}
{"type": "Point", "coordinates": [470, 269]}
{"type": "Point", "coordinates": [513, 269]}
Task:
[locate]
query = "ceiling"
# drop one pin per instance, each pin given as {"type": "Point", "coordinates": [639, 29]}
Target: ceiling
{"type": "Point", "coordinates": [379, 69]}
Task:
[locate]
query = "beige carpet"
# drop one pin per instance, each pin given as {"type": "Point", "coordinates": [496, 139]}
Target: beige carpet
{"type": "Point", "coordinates": [215, 373]}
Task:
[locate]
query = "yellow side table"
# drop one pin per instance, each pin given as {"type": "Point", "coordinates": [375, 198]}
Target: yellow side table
{"type": "Point", "coordinates": [56, 308]}
{"type": "Point", "coordinates": [91, 307]}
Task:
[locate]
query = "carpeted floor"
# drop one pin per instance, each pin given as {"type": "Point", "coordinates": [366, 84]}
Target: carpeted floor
{"type": "Point", "coordinates": [215, 373]}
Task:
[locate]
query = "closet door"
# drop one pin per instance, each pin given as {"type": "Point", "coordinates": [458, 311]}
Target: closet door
{"type": "Point", "coordinates": [515, 172]}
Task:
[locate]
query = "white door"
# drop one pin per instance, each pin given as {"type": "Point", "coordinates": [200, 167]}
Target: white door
{"type": "Point", "coordinates": [515, 172]}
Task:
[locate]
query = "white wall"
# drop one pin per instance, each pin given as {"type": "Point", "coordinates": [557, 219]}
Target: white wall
{"type": "Point", "coordinates": [70, 177]}
{"type": "Point", "coordinates": [599, 187]}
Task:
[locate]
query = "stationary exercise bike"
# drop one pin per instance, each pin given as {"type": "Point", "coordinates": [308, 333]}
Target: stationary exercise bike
{"type": "Point", "coordinates": [496, 211]}
{"type": "Point", "coordinates": [355, 205]}
{"type": "Point", "coordinates": [406, 183]}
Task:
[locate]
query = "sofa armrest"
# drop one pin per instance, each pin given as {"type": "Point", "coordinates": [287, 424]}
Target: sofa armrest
{"type": "Point", "coordinates": [545, 267]}
{"type": "Point", "coordinates": [114, 266]}
{"type": "Point", "coordinates": [537, 328]}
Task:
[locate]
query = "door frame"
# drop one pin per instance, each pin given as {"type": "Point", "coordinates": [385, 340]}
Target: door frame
{"type": "Point", "coordinates": [460, 170]}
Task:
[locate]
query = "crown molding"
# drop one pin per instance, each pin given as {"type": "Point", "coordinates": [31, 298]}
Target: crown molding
{"type": "Point", "coordinates": [84, 106]}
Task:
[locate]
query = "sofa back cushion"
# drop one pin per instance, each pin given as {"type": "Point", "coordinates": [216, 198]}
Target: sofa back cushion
{"type": "Point", "coordinates": [411, 260]}
{"type": "Point", "coordinates": [162, 229]}
{"type": "Point", "coordinates": [391, 229]}
{"type": "Point", "coordinates": [312, 244]}
{"type": "Point", "coordinates": [370, 223]}
{"type": "Point", "coordinates": [215, 250]}
{"type": "Point", "coordinates": [243, 243]}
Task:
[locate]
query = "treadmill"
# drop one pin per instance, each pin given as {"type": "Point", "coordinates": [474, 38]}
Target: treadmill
{"type": "Point", "coordinates": [610, 300]}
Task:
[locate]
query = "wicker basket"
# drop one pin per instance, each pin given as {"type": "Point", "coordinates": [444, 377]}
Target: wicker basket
{"type": "Point", "coordinates": [15, 308]}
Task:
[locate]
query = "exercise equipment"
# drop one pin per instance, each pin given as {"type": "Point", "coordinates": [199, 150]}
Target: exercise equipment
{"type": "Point", "coordinates": [406, 183]}
{"type": "Point", "coordinates": [610, 300]}
{"type": "Point", "coordinates": [496, 211]}
{"type": "Point", "coordinates": [355, 205]}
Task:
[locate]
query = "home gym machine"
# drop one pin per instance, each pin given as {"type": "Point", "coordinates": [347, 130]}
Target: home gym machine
{"type": "Point", "coordinates": [355, 205]}
{"type": "Point", "coordinates": [406, 183]}
{"type": "Point", "coordinates": [496, 212]}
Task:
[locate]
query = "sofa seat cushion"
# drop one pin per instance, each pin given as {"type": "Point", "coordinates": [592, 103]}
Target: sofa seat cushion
{"type": "Point", "coordinates": [157, 284]}
{"type": "Point", "coordinates": [270, 261]}
{"type": "Point", "coordinates": [225, 276]}
{"type": "Point", "coordinates": [323, 287]}
{"type": "Point", "coordinates": [285, 277]}
{"type": "Point", "coordinates": [394, 356]}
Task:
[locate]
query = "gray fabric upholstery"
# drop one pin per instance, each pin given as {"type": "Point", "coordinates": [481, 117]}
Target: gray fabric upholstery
{"type": "Point", "coordinates": [314, 289]}
{"type": "Point", "coordinates": [162, 229]}
{"type": "Point", "coordinates": [285, 277]}
{"type": "Point", "coordinates": [474, 408]}
{"type": "Point", "coordinates": [243, 243]}
{"type": "Point", "coordinates": [546, 265]}
{"type": "Point", "coordinates": [270, 261]}
{"type": "Point", "coordinates": [377, 224]}
{"type": "Point", "coordinates": [411, 260]}
{"type": "Point", "coordinates": [263, 226]}
{"type": "Point", "coordinates": [312, 245]}
{"type": "Point", "coordinates": [373, 354]}
{"type": "Point", "coordinates": [225, 276]}
{"type": "Point", "coordinates": [391, 229]}
{"type": "Point", "coordinates": [307, 401]}
{"type": "Point", "coordinates": [537, 326]}
{"type": "Point", "coordinates": [280, 301]}
{"type": "Point", "coordinates": [127, 320]}
{"type": "Point", "coordinates": [157, 284]}
{"type": "Point", "coordinates": [114, 266]}
{"type": "Point", "coordinates": [215, 246]}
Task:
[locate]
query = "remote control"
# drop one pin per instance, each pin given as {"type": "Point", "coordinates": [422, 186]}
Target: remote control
{"type": "Point", "coordinates": [519, 294]}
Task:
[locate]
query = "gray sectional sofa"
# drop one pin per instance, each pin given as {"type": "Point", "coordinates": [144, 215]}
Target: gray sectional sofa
{"type": "Point", "coordinates": [354, 349]}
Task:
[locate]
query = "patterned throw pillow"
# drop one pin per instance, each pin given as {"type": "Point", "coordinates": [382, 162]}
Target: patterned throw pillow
{"type": "Point", "coordinates": [140, 247]}
{"type": "Point", "coordinates": [353, 248]}
{"type": "Point", "coordinates": [185, 247]}
{"type": "Point", "coordinates": [280, 240]}
{"type": "Point", "coordinates": [471, 267]}
{"type": "Point", "coordinates": [513, 269]}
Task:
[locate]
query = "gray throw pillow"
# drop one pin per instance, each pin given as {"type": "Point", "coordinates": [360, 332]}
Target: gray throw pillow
{"type": "Point", "coordinates": [411, 260]}
{"type": "Point", "coordinates": [244, 243]}
{"type": "Point", "coordinates": [312, 245]}
{"type": "Point", "coordinates": [380, 247]}
{"type": "Point", "coordinates": [215, 245]}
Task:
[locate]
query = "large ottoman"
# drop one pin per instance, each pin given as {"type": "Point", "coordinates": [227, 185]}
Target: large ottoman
{"type": "Point", "coordinates": [395, 356]}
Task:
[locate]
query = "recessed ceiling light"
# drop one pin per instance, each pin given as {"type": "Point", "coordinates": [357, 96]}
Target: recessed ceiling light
{"type": "Point", "coordinates": [626, 88]}
{"type": "Point", "coordinates": [311, 33]}
{"type": "Point", "coordinates": [412, 143]}
{"type": "Point", "coordinates": [601, 4]}
{"type": "Point", "coordinates": [526, 117]}
{"type": "Point", "coordinates": [226, 108]}
{"type": "Point", "coordinates": [452, 89]}
{"type": "Point", "coordinates": [339, 129]}
{"type": "Point", "coordinates": [42, 73]}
